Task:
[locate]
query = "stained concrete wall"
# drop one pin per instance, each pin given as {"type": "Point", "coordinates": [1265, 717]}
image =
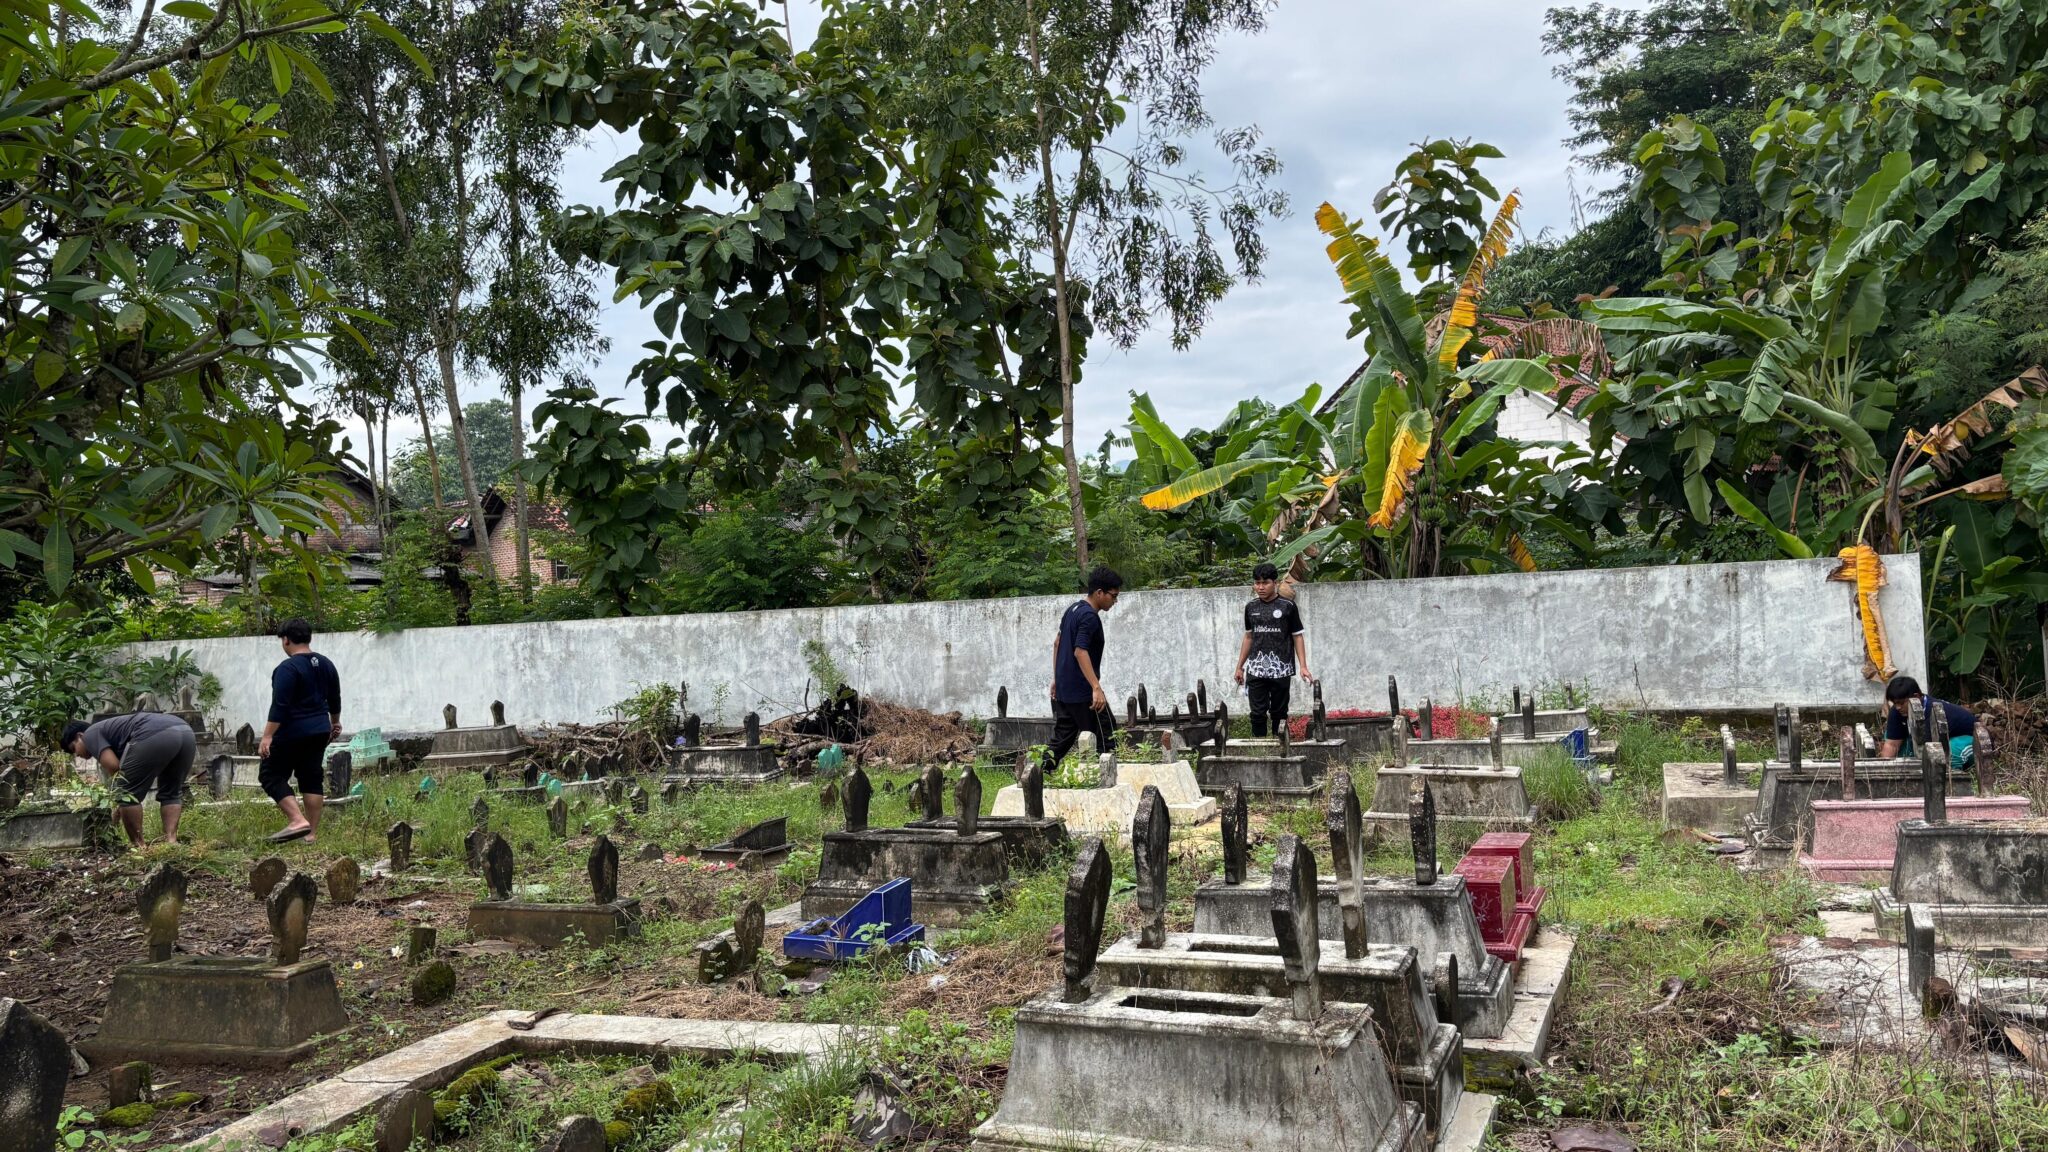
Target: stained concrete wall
{"type": "Point", "coordinates": [1703, 636]}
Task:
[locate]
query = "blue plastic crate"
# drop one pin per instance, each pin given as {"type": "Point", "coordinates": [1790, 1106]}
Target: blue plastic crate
{"type": "Point", "coordinates": [849, 935]}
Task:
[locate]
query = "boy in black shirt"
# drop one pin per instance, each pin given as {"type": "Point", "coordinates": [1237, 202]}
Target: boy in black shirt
{"type": "Point", "coordinates": [1079, 703]}
{"type": "Point", "coordinates": [1903, 699]}
{"type": "Point", "coordinates": [305, 713]}
{"type": "Point", "coordinates": [1273, 649]}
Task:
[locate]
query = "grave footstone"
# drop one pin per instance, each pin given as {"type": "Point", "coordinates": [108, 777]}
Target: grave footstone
{"type": "Point", "coordinates": [1934, 783]}
{"type": "Point", "coordinates": [1794, 753]}
{"type": "Point", "coordinates": [649, 853]}
{"type": "Point", "coordinates": [1106, 770]}
{"type": "Point", "coordinates": [220, 776]}
{"type": "Point", "coordinates": [1341, 819]}
{"type": "Point", "coordinates": [490, 775]}
{"type": "Point", "coordinates": [967, 802]}
{"type": "Point", "coordinates": [1780, 731]}
{"type": "Point", "coordinates": [448, 715]}
{"type": "Point", "coordinates": [1222, 726]}
{"type": "Point", "coordinates": [290, 910]}
{"type": "Point", "coordinates": [671, 792]}
{"type": "Point", "coordinates": [1087, 903]}
{"type": "Point", "coordinates": [1294, 924]}
{"type": "Point", "coordinates": [576, 1134]}
{"type": "Point", "coordinates": [1031, 779]}
{"type": "Point", "coordinates": [341, 773]}
{"type": "Point", "coordinates": [1192, 710]}
{"type": "Point", "coordinates": [1529, 717]}
{"type": "Point", "coordinates": [1144, 702]}
{"type": "Point", "coordinates": [1920, 948]}
{"type": "Point", "coordinates": [407, 1118]}
{"type": "Point", "coordinates": [1494, 753]}
{"type": "Point", "coordinates": [529, 774]}
{"type": "Point", "coordinates": [160, 901]}
{"type": "Point", "coordinates": [473, 850]}
{"type": "Point", "coordinates": [1236, 834]}
{"type": "Point", "coordinates": [604, 871]}
{"type": "Point", "coordinates": [749, 927]}
{"type": "Point", "coordinates": [1201, 695]}
{"type": "Point", "coordinates": [35, 1065]}
{"type": "Point", "coordinates": [558, 818]}
{"type": "Point", "coordinates": [614, 788]}
{"type": "Point", "coordinates": [1517, 709]}
{"type": "Point", "coordinates": [266, 875]}
{"type": "Point", "coordinates": [1003, 701]}
{"type": "Point", "coordinates": [344, 879]}
{"type": "Point", "coordinates": [245, 741]}
{"type": "Point", "coordinates": [498, 867]}
{"type": "Point", "coordinates": [1131, 712]}
{"type": "Point", "coordinates": [637, 800]}
{"type": "Point", "coordinates": [1321, 717]}
{"type": "Point", "coordinates": [433, 983]}
{"type": "Point", "coordinates": [10, 790]}
{"type": "Point", "coordinates": [497, 713]}
{"type": "Point", "coordinates": [1848, 761]}
{"type": "Point", "coordinates": [1151, 840]}
{"type": "Point", "coordinates": [751, 727]}
{"type": "Point", "coordinates": [1730, 773]}
{"type": "Point", "coordinates": [856, 796]}
{"type": "Point", "coordinates": [129, 1083]}
{"type": "Point", "coordinates": [1425, 719]}
{"type": "Point", "coordinates": [1422, 830]}
{"type": "Point", "coordinates": [420, 940]}
{"type": "Point", "coordinates": [479, 812]}
{"type": "Point", "coordinates": [1394, 703]}
{"type": "Point", "coordinates": [398, 842]}
{"type": "Point", "coordinates": [693, 730]}
{"type": "Point", "coordinates": [931, 793]}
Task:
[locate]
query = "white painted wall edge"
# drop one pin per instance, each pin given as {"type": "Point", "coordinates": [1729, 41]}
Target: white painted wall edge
{"type": "Point", "coordinates": [1702, 636]}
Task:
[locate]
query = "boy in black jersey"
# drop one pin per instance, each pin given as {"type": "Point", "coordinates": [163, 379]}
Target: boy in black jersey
{"type": "Point", "coordinates": [305, 713]}
{"type": "Point", "coordinates": [1274, 650]}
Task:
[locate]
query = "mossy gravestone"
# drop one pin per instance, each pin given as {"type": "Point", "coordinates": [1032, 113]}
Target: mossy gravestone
{"type": "Point", "coordinates": [35, 1065]}
{"type": "Point", "coordinates": [558, 818]}
{"type": "Point", "coordinates": [433, 984]}
{"type": "Point", "coordinates": [266, 875]}
{"type": "Point", "coordinates": [344, 877]}
{"type": "Point", "coordinates": [128, 1084]}
{"type": "Point", "coordinates": [399, 842]}
{"type": "Point", "coordinates": [405, 1118]}
{"type": "Point", "coordinates": [498, 867]}
{"type": "Point", "coordinates": [1087, 903]}
{"type": "Point", "coordinates": [638, 799]}
{"type": "Point", "coordinates": [1151, 838]}
{"type": "Point", "coordinates": [479, 812]}
{"type": "Point", "coordinates": [291, 914]}
{"type": "Point", "coordinates": [604, 871]}
{"type": "Point", "coordinates": [576, 1134]}
{"type": "Point", "coordinates": [159, 902]}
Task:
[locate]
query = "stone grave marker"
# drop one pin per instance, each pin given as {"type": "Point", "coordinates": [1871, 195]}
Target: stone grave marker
{"type": "Point", "coordinates": [1394, 703]}
{"type": "Point", "coordinates": [1131, 712]}
{"type": "Point", "coordinates": [749, 927]}
{"type": "Point", "coordinates": [291, 914]}
{"type": "Point", "coordinates": [1087, 903]}
{"type": "Point", "coordinates": [1151, 840]}
{"type": "Point", "coordinates": [1938, 720]}
{"type": "Point", "coordinates": [10, 790]}
{"type": "Point", "coordinates": [479, 812]}
{"type": "Point", "coordinates": [931, 792]}
{"type": "Point", "coordinates": [1321, 717]}
{"type": "Point", "coordinates": [637, 800]}
{"type": "Point", "coordinates": [1144, 701]}
{"type": "Point", "coordinates": [1401, 744]}
{"type": "Point", "coordinates": [266, 875]}
{"type": "Point", "coordinates": [160, 901]}
{"type": "Point", "coordinates": [1494, 754]}
{"type": "Point", "coordinates": [1106, 770]}
{"type": "Point", "coordinates": [473, 850]}
{"type": "Point", "coordinates": [407, 1117]}
{"type": "Point", "coordinates": [967, 802]}
{"type": "Point", "coordinates": [1517, 708]}
{"type": "Point", "coordinates": [1031, 779]}
{"type": "Point", "coordinates": [398, 842]}
{"type": "Point", "coordinates": [497, 713]}
{"type": "Point", "coordinates": [498, 868]}
{"type": "Point", "coordinates": [1294, 924]}
{"type": "Point", "coordinates": [558, 818]}
{"type": "Point", "coordinates": [1848, 759]}
{"type": "Point", "coordinates": [1779, 731]}
{"type": "Point", "coordinates": [1794, 754]}
{"type": "Point", "coordinates": [1192, 710]}
{"type": "Point", "coordinates": [448, 715]}
{"type": "Point", "coordinates": [1934, 783]}
{"type": "Point", "coordinates": [35, 1065]}
{"type": "Point", "coordinates": [1280, 733]}
{"type": "Point", "coordinates": [419, 943]}
{"type": "Point", "coordinates": [855, 798]}
{"type": "Point", "coordinates": [1175, 717]}
{"type": "Point", "coordinates": [1730, 773]}
{"type": "Point", "coordinates": [129, 1083]}
{"type": "Point", "coordinates": [1920, 948]}
{"type": "Point", "coordinates": [649, 853]}
{"type": "Point", "coordinates": [490, 775]}
{"type": "Point", "coordinates": [1341, 819]}
{"type": "Point", "coordinates": [671, 792]}
{"type": "Point", "coordinates": [1425, 719]}
{"type": "Point", "coordinates": [1222, 725]}
{"type": "Point", "coordinates": [1236, 834]}
{"type": "Point", "coordinates": [433, 983]}
{"type": "Point", "coordinates": [1201, 695]}
{"type": "Point", "coordinates": [614, 788]}
{"type": "Point", "coordinates": [341, 773]}
{"type": "Point", "coordinates": [529, 773]}
{"type": "Point", "coordinates": [344, 878]}
{"type": "Point", "coordinates": [575, 1134]}
{"type": "Point", "coordinates": [693, 730]}
{"type": "Point", "coordinates": [245, 741]}
{"type": "Point", "coordinates": [1529, 717]}
{"type": "Point", "coordinates": [751, 728]}
{"type": "Point", "coordinates": [220, 776]}
{"type": "Point", "coordinates": [1422, 830]}
{"type": "Point", "coordinates": [1002, 701]}
{"type": "Point", "coordinates": [604, 871]}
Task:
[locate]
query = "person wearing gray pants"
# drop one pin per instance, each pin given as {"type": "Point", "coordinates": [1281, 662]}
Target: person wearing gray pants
{"type": "Point", "coordinates": [135, 752]}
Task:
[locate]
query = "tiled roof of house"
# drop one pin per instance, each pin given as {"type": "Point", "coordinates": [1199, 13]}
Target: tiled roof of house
{"type": "Point", "coordinates": [1559, 337]}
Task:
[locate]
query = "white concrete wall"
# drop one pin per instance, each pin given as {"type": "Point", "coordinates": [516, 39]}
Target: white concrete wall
{"type": "Point", "coordinates": [1534, 419]}
{"type": "Point", "coordinates": [1699, 636]}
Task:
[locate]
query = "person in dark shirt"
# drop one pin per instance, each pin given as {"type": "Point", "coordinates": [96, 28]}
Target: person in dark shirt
{"type": "Point", "coordinates": [305, 714]}
{"type": "Point", "coordinates": [1905, 703]}
{"type": "Point", "coordinates": [1274, 651]}
{"type": "Point", "coordinates": [134, 752]}
{"type": "Point", "coordinates": [1078, 702]}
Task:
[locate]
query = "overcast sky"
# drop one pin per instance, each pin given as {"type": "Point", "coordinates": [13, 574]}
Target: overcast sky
{"type": "Point", "coordinates": [1341, 89]}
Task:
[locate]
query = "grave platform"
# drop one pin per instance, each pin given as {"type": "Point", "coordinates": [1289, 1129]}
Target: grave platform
{"type": "Point", "coordinates": [1696, 797]}
{"type": "Point", "coordinates": [1187, 733]}
{"type": "Point", "coordinates": [1985, 883]}
{"type": "Point", "coordinates": [1028, 842]}
{"type": "Point", "coordinates": [235, 1010]}
{"type": "Point", "coordinates": [1127, 1070]}
{"type": "Point", "coordinates": [1515, 752]}
{"type": "Point", "coordinates": [1432, 919]}
{"type": "Point", "coordinates": [1550, 722]}
{"type": "Point", "coordinates": [474, 749]}
{"type": "Point", "coordinates": [1505, 1061]}
{"type": "Point", "coordinates": [1365, 737]}
{"type": "Point", "coordinates": [952, 877]}
{"type": "Point", "coordinates": [1110, 808]}
{"type": "Point", "coordinates": [1493, 798]}
{"type": "Point", "coordinates": [725, 764]}
{"type": "Point", "coordinates": [1259, 775]}
{"type": "Point", "coordinates": [1322, 755]}
{"type": "Point", "coordinates": [553, 925]}
{"type": "Point", "coordinates": [1854, 841]}
{"type": "Point", "coordinates": [1014, 733]}
{"type": "Point", "coordinates": [51, 828]}
{"type": "Point", "coordinates": [1428, 1055]}
{"type": "Point", "coordinates": [1783, 819]}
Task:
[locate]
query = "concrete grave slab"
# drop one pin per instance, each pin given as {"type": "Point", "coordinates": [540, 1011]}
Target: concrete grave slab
{"type": "Point", "coordinates": [1495, 799]}
{"type": "Point", "coordinates": [236, 1010]}
{"type": "Point", "coordinates": [1110, 808]}
{"type": "Point", "coordinates": [1783, 819]}
{"type": "Point", "coordinates": [1985, 883]}
{"type": "Point", "coordinates": [50, 829]}
{"type": "Point", "coordinates": [1505, 1060]}
{"type": "Point", "coordinates": [952, 877]}
{"type": "Point", "coordinates": [1696, 795]}
{"type": "Point", "coordinates": [1854, 840]}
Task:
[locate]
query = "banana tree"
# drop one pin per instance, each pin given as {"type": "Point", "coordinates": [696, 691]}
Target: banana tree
{"type": "Point", "coordinates": [1402, 474]}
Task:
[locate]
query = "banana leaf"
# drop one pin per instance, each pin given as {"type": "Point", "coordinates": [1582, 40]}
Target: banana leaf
{"type": "Point", "coordinates": [1787, 543]}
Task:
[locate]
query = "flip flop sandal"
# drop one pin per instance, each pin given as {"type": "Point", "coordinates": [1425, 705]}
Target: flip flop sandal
{"type": "Point", "coordinates": [289, 835]}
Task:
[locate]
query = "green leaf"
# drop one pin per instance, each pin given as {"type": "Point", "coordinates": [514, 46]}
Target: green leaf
{"type": "Point", "coordinates": [1196, 485]}
{"type": "Point", "coordinates": [57, 557]}
{"type": "Point", "coordinates": [731, 324]}
{"type": "Point", "coordinates": [280, 68]}
{"type": "Point", "coordinates": [139, 571]}
{"type": "Point", "coordinates": [49, 367]}
{"type": "Point", "coordinates": [375, 23]}
{"type": "Point", "coordinates": [216, 522]}
{"type": "Point", "coordinates": [267, 521]}
{"type": "Point", "coordinates": [1787, 543]}
{"type": "Point", "coordinates": [1698, 499]}
{"type": "Point", "coordinates": [1178, 455]}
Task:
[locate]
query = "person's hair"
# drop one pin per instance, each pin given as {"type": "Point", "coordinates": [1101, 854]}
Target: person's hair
{"type": "Point", "coordinates": [1104, 579]}
{"type": "Point", "coordinates": [1265, 572]}
{"type": "Point", "coordinates": [72, 731]}
{"type": "Point", "coordinates": [296, 631]}
{"type": "Point", "coordinates": [1902, 688]}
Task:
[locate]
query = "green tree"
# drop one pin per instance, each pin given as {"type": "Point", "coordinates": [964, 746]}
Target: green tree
{"type": "Point", "coordinates": [495, 449]}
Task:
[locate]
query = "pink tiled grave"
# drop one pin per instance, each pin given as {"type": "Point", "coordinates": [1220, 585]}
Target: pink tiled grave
{"type": "Point", "coordinates": [1519, 925]}
{"type": "Point", "coordinates": [1853, 840]}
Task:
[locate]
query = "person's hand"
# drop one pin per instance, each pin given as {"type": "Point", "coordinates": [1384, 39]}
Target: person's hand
{"type": "Point", "coordinates": [1306, 676]}
{"type": "Point", "coordinates": [1238, 675]}
{"type": "Point", "coordinates": [1052, 690]}
{"type": "Point", "coordinates": [263, 748]}
{"type": "Point", "coordinates": [334, 733]}
{"type": "Point", "coordinates": [1097, 700]}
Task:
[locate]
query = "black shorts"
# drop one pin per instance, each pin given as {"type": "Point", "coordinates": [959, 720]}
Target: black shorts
{"type": "Point", "coordinates": [295, 757]}
{"type": "Point", "coordinates": [162, 759]}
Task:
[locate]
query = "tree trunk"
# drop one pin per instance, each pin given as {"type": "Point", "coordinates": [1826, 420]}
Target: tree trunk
{"type": "Point", "coordinates": [479, 531]}
{"type": "Point", "coordinates": [1058, 239]}
{"type": "Point", "coordinates": [384, 491]}
{"type": "Point", "coordinates": [514, 383]}
{"type": "Point", "coordinates": [448, 331]}
{"type": "Point", "coordinates": [419, 400]}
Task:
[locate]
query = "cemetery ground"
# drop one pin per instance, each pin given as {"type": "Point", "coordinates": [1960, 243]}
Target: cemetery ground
{"type": "Point", "coordinates": [1680, 1028]}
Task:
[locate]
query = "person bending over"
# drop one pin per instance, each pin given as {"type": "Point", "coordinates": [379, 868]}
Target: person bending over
{"type": "Point", "coordinates": [305, 713]}
{"type": "Point", "coordinates": [1274, 649]}
{"type": "Point", "coordinates": [1078, 702]}
{"type": "Point", "coordinates": [134, 752]}
{"type": "Point", "coordinates": [1903, 700]}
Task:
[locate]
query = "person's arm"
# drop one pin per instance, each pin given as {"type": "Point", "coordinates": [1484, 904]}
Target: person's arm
{"type": "Point", "coordinates": [1893, 721]}
{"type": "Point", "coordinates": [1052, 687]}
{"type": "Point", "coordinates": [333, 701]}
{"type": "Point", "coordinates": [1244, 653]}
{"type": "Point", "coordinates": [280, 679]}
{"type": "Point", "coordinates": [1301, 655]}
{"type": "Point", "coordinates": [109, 764]}
{"type": "Point", "coordinates": [1096, 699]}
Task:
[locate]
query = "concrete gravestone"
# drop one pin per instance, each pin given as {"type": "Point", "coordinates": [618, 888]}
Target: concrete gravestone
{"type": "Point", "coordinates": [1236, 835]}
{"type": "Point", "coordinates": [408, 1116]}
{"type": "Point", "coordinates": [398, 842]}
{"type": "Point", "coordinates": [558, 818]}
{"type": "Point", "coordinates": [604, 871]}
{"type": "Point", "coordinates": [35, 1065]}
{"type": "Point", "coordinates": [855, 798]}
{"type": "Point", "coordinates": [637, 800]}
{"type": "Point", "coordinates": [548, 925]}
{"type": "Point", "coordinates": [266, 875]}
{"type": "Point", "coordinates": [479, 812]}
{"type": "Point", "coordinates": [1031, 778]}
{"type": "Point", "coordinates": [448, 716]}
{"type": "Point", "coordinates": [290, 911]}
{"type": "Point", "coordinates": [498, 868]}
{"type": "Point", "coordinates": [576, 1134]}
{"type": "Point", "coordinates": [341, 773]}
{"type": "Point", "coordinates": [1294, 924]}
{"type": "Point", "coordinates": [220, 776]}
{"type": "Point", "coordinates": [967, 802]}
{"type": "Point", "coordinates": [1086, 905]}
{"type": "Point", "coordinates": [344, 878]}
{"type": "Point", "coordinates": [498, 713]}
{"type": "Point", "coordinates": [931, 792]}
{"type": "Point", "coordinates": [955, 868]}
{"type": "Point", "coordinates": [1347, 853]}
{"type": "Point", "coordinates": [1151, 837]}
{"type": "Point", "coordinates": [1422, 830]}
{"type": "Point", "coordinates": [160, 901]}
